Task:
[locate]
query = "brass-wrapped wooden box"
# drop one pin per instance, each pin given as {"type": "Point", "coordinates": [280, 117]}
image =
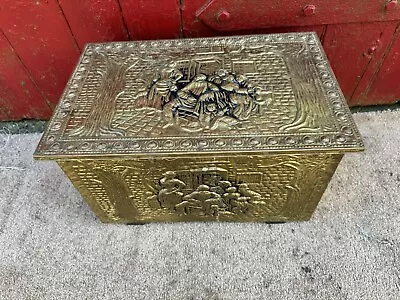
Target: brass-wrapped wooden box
{"type": "Point", "coordinates": [247, 128]}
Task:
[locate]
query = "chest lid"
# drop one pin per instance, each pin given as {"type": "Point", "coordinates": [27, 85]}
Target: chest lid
{"type": "Point", "coordinates": [263, 93]}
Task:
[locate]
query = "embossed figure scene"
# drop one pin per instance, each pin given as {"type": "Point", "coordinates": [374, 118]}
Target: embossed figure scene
{"type": "Point", "coordinates": [215, 101]}
{"type": "Point", "coordinates": [212, 90]}
{"type": "Point", "coordinates": [205, 192]}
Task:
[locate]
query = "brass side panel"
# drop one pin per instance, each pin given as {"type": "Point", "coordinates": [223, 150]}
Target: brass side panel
{"type": "Point", "coordinates": [262, 188]}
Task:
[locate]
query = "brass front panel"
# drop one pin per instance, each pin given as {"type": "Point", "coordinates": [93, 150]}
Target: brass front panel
{"type": "Point", "coordinates": [262, 188]}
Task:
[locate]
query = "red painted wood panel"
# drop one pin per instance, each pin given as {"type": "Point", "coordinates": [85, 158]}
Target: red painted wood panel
{"type": "Point", "coordinates": [40, 35]}
{"type": "Point", "coordinates": [231, 15]}
{"type": "Point", "coordinates": [354, 51]}
{"type": "Point", "coordinates": [152, 19]}
{"type": "Point", "coordinates": [384, 88]}
{"type": "Point", "coordinates": [94, 20]}
{"type": "Point", "coordinates": [320, 30]}
{"type": "Point", "coordinates": [193, 27]}
{"type": "Point", "coordinates": [19, 97]}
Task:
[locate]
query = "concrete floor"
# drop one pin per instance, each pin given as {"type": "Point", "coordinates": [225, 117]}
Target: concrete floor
{"type": "Point", "coordinates": [21, 127]}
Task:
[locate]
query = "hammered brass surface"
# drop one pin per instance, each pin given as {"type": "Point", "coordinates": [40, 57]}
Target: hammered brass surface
{"type": "Point", "coordinates": [247, 128]}
{"type": "Point", "coordinates": [274, 93]}
{"type": "Point", "coordinates": [267, 188]}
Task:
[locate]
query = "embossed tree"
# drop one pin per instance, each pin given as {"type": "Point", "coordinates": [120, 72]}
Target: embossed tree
{"type": "Point", "coordinates": [311, 114]}
{"type": "Point", "coordinates": [98, 122]}
{"type": "Point", "coordinates": [114, 181]}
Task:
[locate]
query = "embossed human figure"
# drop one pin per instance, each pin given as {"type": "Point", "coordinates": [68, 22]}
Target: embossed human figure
{"type": "Point", "coordinates": [203, 99]}
{"type": "Point", "coordinates": [170, 194]}
{"type": "Point", "coordinates": [239, 100]}
{"type": "Point", "coordinates": [240, 205]}
{"type": "Point", "coordinates": [243, 96]}
{"type": "Point", "coordinates": [251, 196]}
{"type": "Point", "coordinates": [230, 197]}
{"type": "Point", "coordinates": [188, 100]}
{"type": "Point", "coordinates": [162, 88]}
{"type": "Point", "coordinates": [221, 187]}
{"type": "Point", "coordinates": [221, 97]}
{"type": "Point", "coordinates": [237, 203]}
{"type": "Point", "coordinates": [218, 100]}
{"type": "Point", "coordinates": [202, 198]}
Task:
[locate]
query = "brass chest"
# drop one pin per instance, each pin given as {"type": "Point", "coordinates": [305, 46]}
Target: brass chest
{"type": "Point", "coordinates": [247, 128]}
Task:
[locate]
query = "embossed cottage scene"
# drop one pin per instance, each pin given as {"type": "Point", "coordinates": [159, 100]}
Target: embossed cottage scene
{"type": "Point", "coordinates": [205, 191]}
{"type": "Point", "coordinates": [214, 90]}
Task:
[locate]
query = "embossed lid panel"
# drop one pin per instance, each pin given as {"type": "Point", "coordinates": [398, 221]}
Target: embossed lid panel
{"type": "Point", "coordinates": [264, 93]}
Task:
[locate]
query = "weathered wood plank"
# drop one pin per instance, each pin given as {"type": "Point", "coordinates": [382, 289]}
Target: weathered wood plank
{"type": "Point", "coordinates": [319, 30]}
{"type": "Point", "coordinates": [228, 15]}
{"type": "Point", "coordinates": [94, 21]}
{"type": "Point", "coordinates": [19, 97]}
{"type": "Point", "coordinates": [384, 88]}
{"type": "Point", "coordinates": [152, 19]}
{"type": "Point", "coordinates": [40, 35]}
{"type": "Point", "coordinates": [354, 51]}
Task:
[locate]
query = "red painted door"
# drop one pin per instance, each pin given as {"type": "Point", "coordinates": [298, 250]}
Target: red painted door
{"type": "Point", "coordinates": [250, 14]}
